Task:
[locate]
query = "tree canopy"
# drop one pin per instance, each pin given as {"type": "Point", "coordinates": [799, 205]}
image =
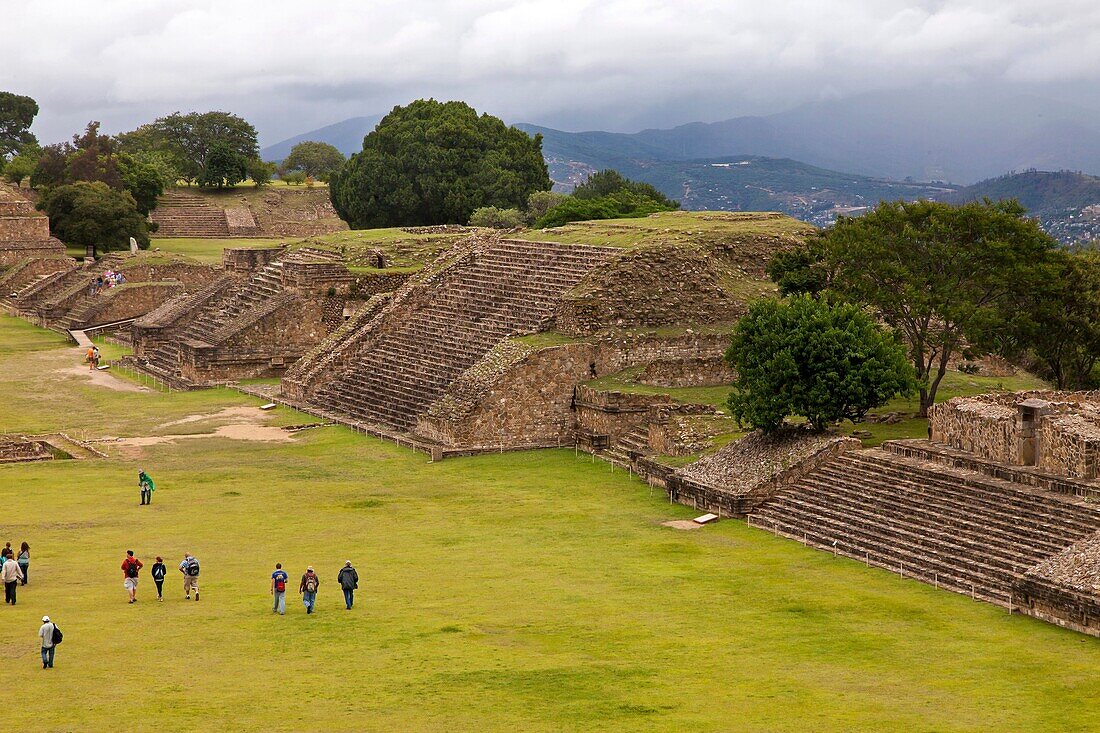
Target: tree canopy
{"type": "Point", "coordinates": [94, 216]}
{"type": "Point", "coordinates": [434, 163]}
{"type": "Point", "coordinates": [606, 195]}
{"type": "Point", "coordinates": [17, 112]}
{"type": "Point", "coordinates": [609, 181]}
{"type": "Point", "coordinates": [316, 159]}
{"type": "Point", "coordinates": [939, 274]}
{"type": "Point", "coordinates": [808, 357]}
{"type": "Point", "coordinates": [195, 140]}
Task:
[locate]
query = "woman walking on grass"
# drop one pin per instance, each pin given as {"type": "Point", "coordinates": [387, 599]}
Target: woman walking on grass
{"type": "Point", "coordinates": [24, 560]}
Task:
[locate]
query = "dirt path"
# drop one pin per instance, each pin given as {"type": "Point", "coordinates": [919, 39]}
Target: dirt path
{"type": "Point", "coordinates": [101, 378]}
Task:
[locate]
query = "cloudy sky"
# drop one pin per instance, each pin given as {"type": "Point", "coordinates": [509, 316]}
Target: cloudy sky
{"type": "Point", "coordinates": [290, 66]}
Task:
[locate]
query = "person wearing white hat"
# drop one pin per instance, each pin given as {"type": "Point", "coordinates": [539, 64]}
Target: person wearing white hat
{"type": "Point", "coordinates": [349, 581]}
{"type": "Point", "coordinates": [45, 633]}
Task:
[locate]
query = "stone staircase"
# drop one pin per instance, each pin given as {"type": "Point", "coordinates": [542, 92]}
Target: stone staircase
{"type": "Point", "coordinates": [432, 332]}
{"type": "Point", "coordinates": [180, 214]}
{"type": "Point", "coordinates": [629, 446]}
{"type": "Point", "coordinates": [966, 532]}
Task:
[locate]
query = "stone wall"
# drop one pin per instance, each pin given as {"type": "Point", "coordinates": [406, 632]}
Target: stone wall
{"type": "Point", "coordinates": [1069, 444]}
{"type": "Point", "coordinates": [1064, 589]}
{"type": "Point", "coordinates": [16, 449]}
{"type": "Point", "coordinates": [127, 301]}
{"type": "Point", "coordinates": [685, 429]}
{"type": "Point", "coordinates": [702, 371]}
{"type": "Point", "coordinates": [29, 269]}
{"type": "Point", "coordinates": [739, 477]}
{"type": "Point", "coordinates": [986, 427]}
{"type": "Point", "coordinates": [244, 261]}
{"type": "Point", "coordinates": [613, 413]}
{"type": "Point", "coordinates": [524, 395]}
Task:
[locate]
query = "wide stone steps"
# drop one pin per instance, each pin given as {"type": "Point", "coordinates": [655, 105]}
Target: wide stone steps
{"type": "Point", "coordinates": [973, 535]}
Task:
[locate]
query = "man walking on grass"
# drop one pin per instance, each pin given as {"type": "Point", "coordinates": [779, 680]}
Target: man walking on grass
{"type": "Point", "coordinates": [349, 581]}
{"type": "Point", "coordinates": [46, 633]}
{"type": "Point", "coordinates": [11, 574]}
{"type": "Point", "coordinates": [130, 568]}
{"type": "Point", "coordinates": [278, 589]}
{"type": "Point", "coordinates": [145, 483]}
{"type": "Point", "coordinates": [190, 569]}
{"type": "Point", "coordinates": [308, 588]}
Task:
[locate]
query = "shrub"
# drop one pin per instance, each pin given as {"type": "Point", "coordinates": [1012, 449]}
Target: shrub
{"type": "Point", "coordinates": [293, 178]}
{"type": "Point", "coordinates": [494, 218]}
{"type": "Point", "coordinates": [541, 202]}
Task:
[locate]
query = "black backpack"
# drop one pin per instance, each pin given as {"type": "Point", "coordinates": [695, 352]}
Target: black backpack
{"type": "Point", "coordinates": [131, 569]}
{"type": "Point", "coordinates": [193, 567]}
{"type": "Point", "coordinates": [57, 635]}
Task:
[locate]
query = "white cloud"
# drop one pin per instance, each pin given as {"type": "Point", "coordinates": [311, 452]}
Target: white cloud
{"type": "Point", "coordinates": [293, 64]}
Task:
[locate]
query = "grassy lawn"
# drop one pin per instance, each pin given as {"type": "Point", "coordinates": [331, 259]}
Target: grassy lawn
{"type": "Point", "coordinates": [518, 592]}
{"type": "Point", "coordinates": [209, 250]}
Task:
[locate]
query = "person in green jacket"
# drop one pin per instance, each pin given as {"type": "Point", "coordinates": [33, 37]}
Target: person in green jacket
{"type": "Point", "coordinates": [145, 483]}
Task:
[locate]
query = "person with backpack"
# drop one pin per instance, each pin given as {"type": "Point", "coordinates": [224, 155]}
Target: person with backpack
{"type": "Point", "coordinates": [11, 575]}
{"type": "Point", "coordinates": [50, 637]}
{"type": "Point", "coordinates": [349, 581]}
{"type": "Point", "coordinates": [158, 572]}
{"type": "Point", "coordinates": [190, 569]}
{"type": "Point", "coordinates": [130, 568]}
{"type": "Point", "coordinates": [278, 589]}
{"type": "Point", "coordinates": [147, 487]}
{"type": "Point", "coordinates": [25, 561]}
{"type": "Point", "coordinates": [308, 588]}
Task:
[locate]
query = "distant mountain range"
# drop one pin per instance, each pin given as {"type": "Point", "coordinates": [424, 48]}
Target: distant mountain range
{"type": "Point", "coordinates": [897, 145]}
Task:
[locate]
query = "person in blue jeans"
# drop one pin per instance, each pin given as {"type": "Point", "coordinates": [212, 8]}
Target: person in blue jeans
{"type": "Point", "coordinates": [278, 589]}
{"type": "Point", "coordinates": [308, 588]}
{"type": "Point", "coordinates": [349, 581]}
{"type": "Point", "coordinates": [45, 633]}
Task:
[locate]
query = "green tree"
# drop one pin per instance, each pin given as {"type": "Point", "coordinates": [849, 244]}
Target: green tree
{"type": "Point", "coordinates": [622, 204]}
{"type": "Point", "coordinates": [494, 218]}
{"type": "Point", "coordinates": [293, 178]}
{"type": "Point", "coordinates": [260, 172]}
{"type": "Point", "coordinates": [17, 112]}
{"type": "Point", "coordinates": [805, 356]}
{"type": "Point", "coordinates": [189, 139]}
{"type": "Point", "coordinates": [52, 166]}
{"type": "Point", "coordinates": [94, 216]}
{"type": "Point", "coordinates": [223, 167]}
{"type": "Point", "coordinates": [609, 182]}
{"type": "Point", "coordinates": [145, 177]}
{"type": "Point", "coordinates": [316, 159]}
{"type": "Point", "coordinates": [22, 165]}
{"type": "Point", "coordinates": [92, 158]}
{"type": "Point", "coordinates": [1058, 321]}
{"type": "Point", "coordinates": [434, 163]}
{"type": "Point", "coordinates": [541, 202]}
{"type": "Point", "coordinates": [939, 274]}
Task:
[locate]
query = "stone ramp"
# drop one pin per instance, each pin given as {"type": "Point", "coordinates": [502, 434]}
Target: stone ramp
{"type": "Point", "coordinates": [966, 532]}
{"type": "Point", "coordinates": [437, 328]}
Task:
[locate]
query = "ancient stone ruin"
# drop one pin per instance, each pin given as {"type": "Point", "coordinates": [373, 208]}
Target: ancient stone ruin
{"type": "Point", "coordinates": [24, 232]}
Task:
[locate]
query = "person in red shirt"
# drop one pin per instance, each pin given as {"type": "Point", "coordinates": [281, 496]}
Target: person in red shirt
{"type": "Point", "coordinates": [130, 567]}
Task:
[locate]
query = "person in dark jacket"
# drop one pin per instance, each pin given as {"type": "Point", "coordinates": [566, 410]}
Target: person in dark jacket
{"type": "Point", "coordinates": [308, 588]}
{"type": "Point", "coordinates": [349, 581]}
{"type": "Point", "coordinates": [158, 572]}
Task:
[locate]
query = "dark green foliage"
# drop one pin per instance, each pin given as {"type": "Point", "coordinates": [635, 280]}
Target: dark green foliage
{"type": "Point", "coordinates": [144, 179]}
{"type": "Point", "coordinates": [260, 172]}
{"type": "Point", "coordinates": [222, 167]}
{"type": "Point", "coordinates": [17, 112]}
{"type": "Point", "coordinates": [494, 218]}
{"type": "Point", "coordinates": [22, 165]}
{"type": "Point", "coordinates": [939, 274]}
{"type": "Point", "coordinates": [541, 202]}
{"type": "Point", "coordinates": [434, 163]}
{"type": "Point", "coordinates": [799, 270]}
{"type": "Point", "coordinates": [189, 141]}
{"type": "Point", "coordinates": [1058, 322]}
{"type": "Point", "coordinates": [608, 182]}
{"type": "Point", "coordinates": [619, 205]}
{"type": "Point", "coordinates": [94, 216]}
{"type": "Point", "coordinates": [316, 159]}
{"type": "Point", "coordinates": [91, 157]}
{"type": "Point", "coordinates": [52, 166]}
{"type": "Point", "coordinates": [804, 356]}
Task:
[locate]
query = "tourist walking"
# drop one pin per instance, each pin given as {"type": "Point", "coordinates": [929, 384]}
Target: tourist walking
{"type": "Point", "coordinates": [95, 357]}
{"type": "Point", "coordinates": [131, 566]}
{"type": "Point", "coordinates": [24, 561]}
{"type": "Point", "coordinates": [349, 581]}
{"type": "Point", "coordinates": [11, 575]}
{"type": "Point", "coordinates": [158, 571]}
{"type": "Point", "coordinates": [308, 588]}
{"type": "Point", "coordinates": [90, 358]}
{"type": "Point", "coordinates": [50, 636]}
{"type": "Point", "coordinates": [278, 589]}
{"type": "Point", "coordinates": [190, 569]}
{"type": "Point", "coordinates": [147, 487]}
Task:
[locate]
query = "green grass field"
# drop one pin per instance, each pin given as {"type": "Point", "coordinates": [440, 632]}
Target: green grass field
{"type": "Point", "coordinates": [518, 592]}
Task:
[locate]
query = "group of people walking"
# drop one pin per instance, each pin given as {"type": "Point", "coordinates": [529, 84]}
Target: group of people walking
{"type": "Point", "coordinates": [347, 578]}
{"type": "Point", "coordinates": [131, 572]}
{"type": "Point", "coordinates": [14, 569]}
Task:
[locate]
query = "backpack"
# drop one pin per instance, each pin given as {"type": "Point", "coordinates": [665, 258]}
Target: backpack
{"type": "Point", "coordinates": [280, 584]}
{"type": "Point", "coordinates": [193, 567]}
{"type": "Point", "coordinates": [311, 583]}
{"type": "Point", "coordinates": [57, 635]}
{"type": "Point", "coordinates": [131, 569]}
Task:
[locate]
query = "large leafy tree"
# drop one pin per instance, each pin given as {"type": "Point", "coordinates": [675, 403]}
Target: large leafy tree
{"type": "Point", "coordinates": [94, 216]}
{"type": "Point", "coordinates": [608, 182]}
{"type": "Point", "coordinates": [316, 159]}
{"type": "Point", "coordinates": [190, 139]}
{"type": "Point", "coordinates": [434, 163]}
{"type": "Point", "coordinates": [223, 166]}
{"type": "Point", "coordinates": [17, 112]}
{"type": "Point", "coordinates": [809, 357]}
{"type": "Point", "coordinates": [939, 274]}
